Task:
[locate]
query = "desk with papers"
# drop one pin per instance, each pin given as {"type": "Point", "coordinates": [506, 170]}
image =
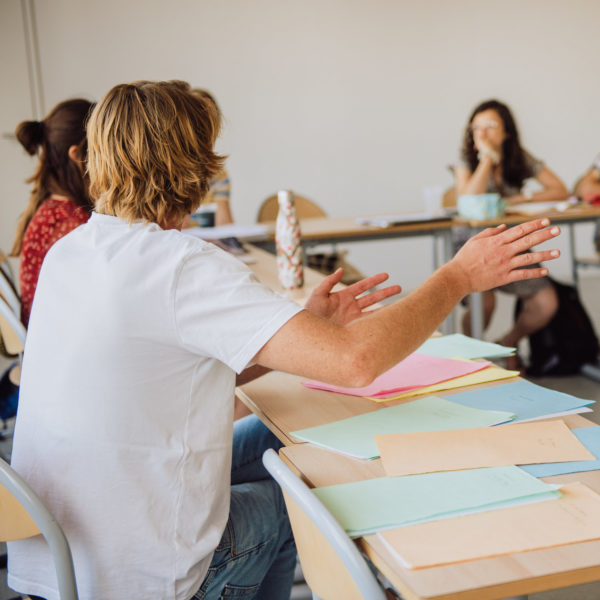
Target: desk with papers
{"type": "Point", "coordinates": [483, 565]}
{"type": "Point", "coordinates": [287, 406]}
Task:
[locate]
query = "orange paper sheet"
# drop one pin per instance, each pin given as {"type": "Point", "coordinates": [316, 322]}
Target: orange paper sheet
{"type": "Point", "coordinates": [518, 444]}
{"type": "Point", "coordinates": [575, 517]}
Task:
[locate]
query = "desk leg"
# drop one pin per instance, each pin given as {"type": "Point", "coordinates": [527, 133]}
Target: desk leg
{"type": "Point", "coordinates": [591, 370]}
{"type": "Point", "coordinates": [574, 273]}
{"type": "Point", "coordinates": [449, 325]}
{"type": "Point", "coordinates": [434, 252]}
{"type": "Point", "coordinates": [476, 306]}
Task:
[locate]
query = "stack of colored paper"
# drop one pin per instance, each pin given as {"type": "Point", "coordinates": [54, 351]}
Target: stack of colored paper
{"type": "Point", "coordinates": [414, 372]}
{"type": "Point", "coordinates": [524, 443]}
{"type": "Point", "coordinates": [590, 438]}
{"type": "Point", "coordinates": [575, 517]}
{"type": "Point", "coordinates": [371, 505]}
{"type": "Point", "coordinates": [354, 436]}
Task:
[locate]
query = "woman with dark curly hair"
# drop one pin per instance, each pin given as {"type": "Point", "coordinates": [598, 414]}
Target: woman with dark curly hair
{"type": "Point", "coordinates": [493, 160]}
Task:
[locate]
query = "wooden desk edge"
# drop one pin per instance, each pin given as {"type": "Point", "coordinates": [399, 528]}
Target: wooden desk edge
{"type": "Point", "coordinates": [277, 432]}
{"type": "Point", "coordinates": [375, 549]}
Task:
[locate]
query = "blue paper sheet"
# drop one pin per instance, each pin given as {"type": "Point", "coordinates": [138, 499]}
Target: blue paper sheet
{"type": "Point", "coordinates": [523, 398]}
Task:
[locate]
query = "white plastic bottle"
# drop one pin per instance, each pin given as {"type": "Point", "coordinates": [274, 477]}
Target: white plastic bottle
{"type": "Point", "coordinates": [287, 240]}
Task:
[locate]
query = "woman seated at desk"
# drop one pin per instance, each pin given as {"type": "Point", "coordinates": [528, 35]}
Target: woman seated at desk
{"type": "Point", "coordinates": [493, 160]}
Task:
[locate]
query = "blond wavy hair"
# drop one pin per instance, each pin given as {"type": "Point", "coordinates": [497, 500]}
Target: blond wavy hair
{"type": "Point", "coordinates": [150, 151]}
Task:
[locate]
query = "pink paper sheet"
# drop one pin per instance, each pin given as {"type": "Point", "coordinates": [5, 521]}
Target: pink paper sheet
{"type": "Point", "coordinates": [415, 371]}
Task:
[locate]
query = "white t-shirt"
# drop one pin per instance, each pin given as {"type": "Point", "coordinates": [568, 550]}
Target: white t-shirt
{"type": "Point", "coordinates": [125, 414]}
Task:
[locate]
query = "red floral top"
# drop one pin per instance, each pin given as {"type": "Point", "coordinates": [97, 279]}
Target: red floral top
{"type": "Point", "coordinates": [52, 220]}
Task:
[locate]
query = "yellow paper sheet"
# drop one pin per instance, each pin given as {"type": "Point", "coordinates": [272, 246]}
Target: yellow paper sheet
{"type": "Point", "coordinates": [492, 373]}
{"type": "Point", "coordinates": [518, 444]}
{"type": "Point", "coordinates": [575, 517]}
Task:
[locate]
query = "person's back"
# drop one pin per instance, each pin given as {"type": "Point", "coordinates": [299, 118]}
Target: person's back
{"type": "Point", "coordinates": [155, 429]}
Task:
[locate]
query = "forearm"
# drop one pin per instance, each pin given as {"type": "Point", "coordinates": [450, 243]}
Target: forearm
{"type": "Point", "coordinates": [477, 182]}
{"type": "Point", "coordinates": [547, 195]}
{"type": "Point", "coordinates": [393, 332]}
{"type": "Point", "coordinates": [354, 354]}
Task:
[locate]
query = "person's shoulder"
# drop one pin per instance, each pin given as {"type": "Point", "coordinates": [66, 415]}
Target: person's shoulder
{"type": "Point", "coordinates": [533, 163]}
{"type": "Point", "coordinates": [185, 249]}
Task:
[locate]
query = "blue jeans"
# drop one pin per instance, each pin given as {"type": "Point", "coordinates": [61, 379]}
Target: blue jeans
{"type": "Point", "coordinates": [256, 557]}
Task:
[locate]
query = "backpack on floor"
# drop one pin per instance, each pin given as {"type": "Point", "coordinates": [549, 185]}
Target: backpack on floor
{"type": "Point", "coordinates": [567, 342]}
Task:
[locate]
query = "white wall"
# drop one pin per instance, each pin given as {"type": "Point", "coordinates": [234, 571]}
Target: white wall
{"type": "Point", "coordinates": [357, 104]}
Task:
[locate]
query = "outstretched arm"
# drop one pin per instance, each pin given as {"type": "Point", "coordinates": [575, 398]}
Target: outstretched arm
{"type": "Point", "coordinates": [477, 181]}
{"type": "Point", "coordinates": [355, 353]}
{"type": "Point", "coordinates": [553, 189]}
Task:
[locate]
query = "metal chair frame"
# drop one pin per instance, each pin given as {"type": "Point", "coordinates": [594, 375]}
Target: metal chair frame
{"type": "Point", "coordinates": [47, 526]}
{"type": "Point", "coordinates": [354, 562]}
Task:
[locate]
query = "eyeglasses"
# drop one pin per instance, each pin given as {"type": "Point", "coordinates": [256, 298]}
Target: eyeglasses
{"type": "Point", "coordinates": [488, 126]}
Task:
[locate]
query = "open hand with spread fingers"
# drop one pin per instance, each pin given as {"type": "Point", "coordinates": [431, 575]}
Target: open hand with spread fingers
{"type": "Point", "coordinates": [498, 255]}
{"type": "Point", "coordinates": [347, 304]}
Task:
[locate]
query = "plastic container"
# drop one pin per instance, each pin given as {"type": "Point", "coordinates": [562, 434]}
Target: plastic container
{"type": "Point", "coordinates": [481, 206]}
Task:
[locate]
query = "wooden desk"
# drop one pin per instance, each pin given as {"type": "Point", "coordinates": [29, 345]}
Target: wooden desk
{"type": "Point", "coordinates": [284, 405]}
{"type": "Point", "coordinates": [484, 579]}
{"type": "Point", "coordinates": [337, 230]}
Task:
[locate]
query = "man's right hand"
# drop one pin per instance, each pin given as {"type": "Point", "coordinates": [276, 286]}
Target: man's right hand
{"type": "Point", "coordinates": [498, 255]}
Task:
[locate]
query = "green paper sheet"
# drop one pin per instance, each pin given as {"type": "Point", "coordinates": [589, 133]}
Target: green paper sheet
{"type": "Point", "coordinates": [372, 505]}
{"type": "Point", "coordinates": [457, 344]}
{"type": "Point", "coordinates": [354, 436]}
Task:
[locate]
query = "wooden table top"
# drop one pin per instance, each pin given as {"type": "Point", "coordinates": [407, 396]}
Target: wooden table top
{"type": "Point", "coordinates": [285, 405]}
{"type": "Point", "coordinates": [484, 579]}
{"type": "Point", "coordinates": [574, 214]}
{"type": "Point", "coordinates": [332, 229]}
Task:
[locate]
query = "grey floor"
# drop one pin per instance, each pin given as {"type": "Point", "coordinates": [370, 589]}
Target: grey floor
{"type": "Point", "coordinates": [580, 386]}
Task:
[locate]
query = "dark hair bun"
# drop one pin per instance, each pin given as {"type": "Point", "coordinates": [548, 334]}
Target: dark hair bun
{"type": "Point", "coordinates": [31, 135]}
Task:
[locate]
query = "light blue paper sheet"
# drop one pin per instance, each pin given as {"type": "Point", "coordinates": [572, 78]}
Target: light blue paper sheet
{"type": "Point", "coordinates": [523, 398]}
{"type": "Point", "coordinates": [354, 436]}
{"type": "Point", "coordinates": [590, 438]}
{"type": "Point", "coordinates": [457, 344]}
{"type": "Point", "coordinates": [375, 504]}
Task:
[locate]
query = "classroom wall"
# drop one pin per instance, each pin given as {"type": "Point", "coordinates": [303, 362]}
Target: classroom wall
{"type": "Point", "coordinates": [356, 104]}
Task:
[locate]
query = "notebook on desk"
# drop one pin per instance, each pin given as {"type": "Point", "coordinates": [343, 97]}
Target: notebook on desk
{"type": "Point", "coordinates": [403, 219]}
